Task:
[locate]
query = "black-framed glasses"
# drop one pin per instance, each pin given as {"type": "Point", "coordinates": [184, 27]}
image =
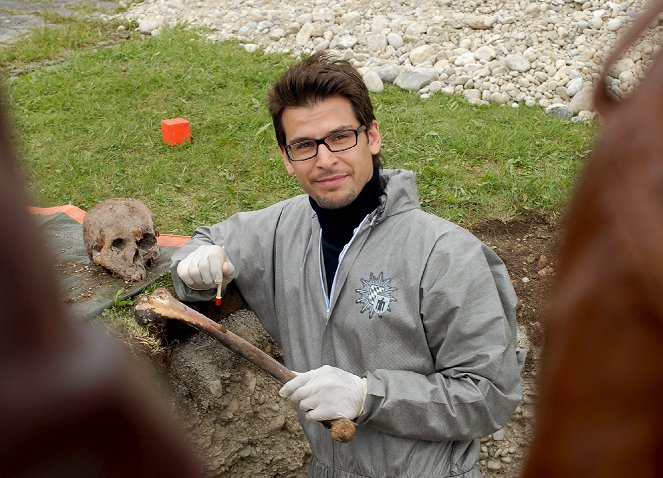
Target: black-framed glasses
{"type": "Point", "coordinates": [336, 142]}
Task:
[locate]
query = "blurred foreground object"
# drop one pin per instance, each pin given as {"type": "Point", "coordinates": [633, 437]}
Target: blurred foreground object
{"type": "Point", "coordinates": [71, 402]}
{"type": "Point", "coordinates": [599, 412]}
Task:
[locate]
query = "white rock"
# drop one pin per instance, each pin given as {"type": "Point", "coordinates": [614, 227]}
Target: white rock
{"type": "Point", "coordinates": [324, 15]}
{"type": "Point", "coordinates": [574, 86]}
{"type": "Point", "coordinates": [347, 41]}
{"type": "Point", "coordinates": [435, 86]}
{"type": "Point", "coordinates": [321, 45]}
{"type": "Point", "coordinates": [388, 72]}
{"type": "Point", "coordinates": [479, 22]}
{"type": "Point", "coordinates": [251, 47]}
{"type": "Point", "coordinates": [304, 34]}
{"type": "Point", "coordinates": [626, 77]}
{"type": "Point", "coordinates": [412, 78]}
{"type": "Point", "coordinates": [517, 63]}
{"type": "Point", "coordinates": [395, 40]}
{"type": "Point", "coordinates": [350, 19]}
{"type": "Point", "coordinates": [499, 435]}
{"type": "Point", "coordinates": [416, 28]}
{"type": "Point", "coordinates": [623, 65]}
{"type": "Point", "coordinates": [586, 115]}
{"type": "Point", "coordinates": [465, 59]}
{"type": "Point", "coordinates": [373, 82]}
{"type": "Point", "coordinates": [473, 96]}
{"type": "Point", "coordinates": [596, 23]}
{"type": "Point", "coordinates": [486, 53]}
{"type": "Point", "coordinates": [614, 24]}
{"type": "Point", "coordinates": [422, 54]}
{"type": "Point", "coordinates": [376, 42]}
{"type": "Point", "coordinates": [150, 24]}
{"type": "Point", "coordinates": [276, 34]}
{"type": "Point", "coordinates": [559, 110]}
{"type": "Point", "coordinates": [583, 100]}
{"type": "Point", "coordinates": [499, 98]}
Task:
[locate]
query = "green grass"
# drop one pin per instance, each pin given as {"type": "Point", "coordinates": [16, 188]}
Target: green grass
{"type": "Point", "coordinates": [57, 38]}
{"type": "Point", "coordinates": [90, 129]}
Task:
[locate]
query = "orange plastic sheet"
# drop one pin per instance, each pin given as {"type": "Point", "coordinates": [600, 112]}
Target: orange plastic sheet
{"type": "Point", "coordinates": [77, 214]}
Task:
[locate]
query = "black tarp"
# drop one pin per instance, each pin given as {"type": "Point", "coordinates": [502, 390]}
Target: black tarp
{"type": "Point", "coordinates": [87, 288]}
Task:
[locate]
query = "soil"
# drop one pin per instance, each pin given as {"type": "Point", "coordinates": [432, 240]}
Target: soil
{"type": "Point", "coordinates": [242, 428]}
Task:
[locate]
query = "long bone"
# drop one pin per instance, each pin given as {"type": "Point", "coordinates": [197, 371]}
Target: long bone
{"type": "Point", "coordinates": [160, 306]}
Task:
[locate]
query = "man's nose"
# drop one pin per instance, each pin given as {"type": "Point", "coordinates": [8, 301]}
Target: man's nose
{"type": "Point", "coordinates": [325, 157]}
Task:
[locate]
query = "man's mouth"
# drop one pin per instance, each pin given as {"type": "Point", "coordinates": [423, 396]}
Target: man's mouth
{"type": "Point", "coordinates": [334, 178]}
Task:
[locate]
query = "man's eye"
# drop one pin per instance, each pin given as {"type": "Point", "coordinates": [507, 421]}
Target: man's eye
{"type": "Point", "coordinates": [340, 136]}
{"type": "Point", "coordinates": [304, 145]}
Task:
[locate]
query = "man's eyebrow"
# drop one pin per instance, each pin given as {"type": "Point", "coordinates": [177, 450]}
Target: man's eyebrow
{"type": "Point", "coordinates": [297, 139]}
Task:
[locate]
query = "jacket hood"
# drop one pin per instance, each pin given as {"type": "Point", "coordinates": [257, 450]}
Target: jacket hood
{"type": "Point", "coordinates": [400, 195]}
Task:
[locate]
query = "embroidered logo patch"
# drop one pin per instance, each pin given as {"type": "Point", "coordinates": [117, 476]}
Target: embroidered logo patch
{"type": "Point", "coordinates": [375, 295]}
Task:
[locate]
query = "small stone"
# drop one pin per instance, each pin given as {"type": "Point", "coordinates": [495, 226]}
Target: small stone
{"type": "Point", "coordinates": [559, 110]}
{"type": "Point", "coordinates": [493, 465]}
{"type": "Point", "coordinates": [543, 261]}
{"type": "Point", "coordinates": [304, 34]}
{"type": "Point", "coordinates": [499, 435]}
{"type": "Point", "coordinates": [149, 25]}
{"type": "Point", "coordinates": [422, 54]}
{"type": "Point", "coordinates": [614, 24]}
{"type": "Point", "coordinates": [583, 100]}
{"type": "Point", "coordinates": [389, 72]}
{"type": "Point", "coordinates": [245, 452]}
{"type": "Point", "coordinates": [395, 40]}
{"type": "Point", "coordinates": [411, 78]}
{"type": "Point", "coordinates": [517, 63]}
{"type": "Point", "coordinates": [216, 388]}
{"type": "Point", "coordinates": [373, 82]}
{"type": "Point", "coordinates": [347, 41]}
{"type": "Point", "coordinates": [573, 87]}
{"type": "Point", "coordinates": [233, 406]}
{"type": "Point", "coordinates": [485, 53]}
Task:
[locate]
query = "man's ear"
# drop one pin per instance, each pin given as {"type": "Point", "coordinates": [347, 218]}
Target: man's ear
{"type": "Point", "coordinates": [287, 163]}
{"type": "Point", "coordinates": [374, 138]}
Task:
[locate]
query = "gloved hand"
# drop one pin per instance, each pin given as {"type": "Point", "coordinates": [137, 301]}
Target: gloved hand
{"type": "Point", "coordinates": [327, 393]}
{"type": "Point", "coordinates": [201, 270]}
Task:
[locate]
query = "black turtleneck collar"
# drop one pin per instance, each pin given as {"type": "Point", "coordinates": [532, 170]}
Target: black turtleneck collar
{"type": "Point", "coordinates": [338, 224]}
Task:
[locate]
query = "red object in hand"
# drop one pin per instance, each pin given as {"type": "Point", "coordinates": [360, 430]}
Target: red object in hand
{"type": "Point", "coordinates": [175, 131]}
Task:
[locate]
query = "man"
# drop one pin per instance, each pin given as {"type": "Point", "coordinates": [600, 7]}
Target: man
{"type": "Point", "coordinates": [396, 319]}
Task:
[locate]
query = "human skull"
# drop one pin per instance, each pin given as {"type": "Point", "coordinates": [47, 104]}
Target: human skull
{"type": "Point", "coordinates": [120, 236]}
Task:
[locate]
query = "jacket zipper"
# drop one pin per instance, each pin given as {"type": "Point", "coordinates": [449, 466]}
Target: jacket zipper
{"type": "Point", "coordinates": [355, 233]}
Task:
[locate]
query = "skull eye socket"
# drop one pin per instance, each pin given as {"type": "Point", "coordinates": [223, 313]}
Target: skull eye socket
{"type": "Point", "coordinates": [118, 243]}
{"type": "Point", "coordinates": [146, 242]}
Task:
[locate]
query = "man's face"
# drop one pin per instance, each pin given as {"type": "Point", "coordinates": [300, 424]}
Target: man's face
{"type": "Point", "coordinates": [333, 180]}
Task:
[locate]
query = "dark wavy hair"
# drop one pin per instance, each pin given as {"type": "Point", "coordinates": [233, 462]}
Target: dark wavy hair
{"type": "Point", "coordinates": [313, 80]}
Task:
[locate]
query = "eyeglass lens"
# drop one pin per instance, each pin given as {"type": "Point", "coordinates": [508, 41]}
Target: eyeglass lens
{"type": "Point", "coordinates": [335, 142]}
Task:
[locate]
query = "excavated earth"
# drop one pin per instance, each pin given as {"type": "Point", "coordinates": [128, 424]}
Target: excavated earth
{"type": "Point", "coordinates": [242, 428]}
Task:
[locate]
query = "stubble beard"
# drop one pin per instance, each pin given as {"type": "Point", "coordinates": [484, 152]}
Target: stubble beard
{"type": "Point", "coordinates": [328, 203]}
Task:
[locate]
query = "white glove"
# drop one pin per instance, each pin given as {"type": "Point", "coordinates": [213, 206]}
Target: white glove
{"type": "Point", "coordinates": [201, 270]}
{"type": "Point", "coordinates": [327, 393]}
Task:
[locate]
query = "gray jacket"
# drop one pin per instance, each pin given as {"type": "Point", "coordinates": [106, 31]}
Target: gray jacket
{"type": "Point", "coordinates": [419, 306]}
